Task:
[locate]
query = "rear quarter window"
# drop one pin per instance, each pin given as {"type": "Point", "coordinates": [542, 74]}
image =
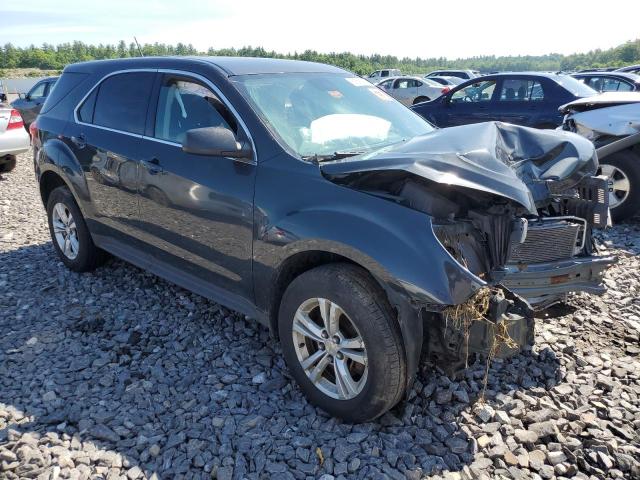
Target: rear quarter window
{"type": "Point", "coordinates": [65, 84]}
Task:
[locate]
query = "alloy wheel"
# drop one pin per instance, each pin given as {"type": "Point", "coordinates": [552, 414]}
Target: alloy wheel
{"type": "Point", "coordinates": [618, 183]}
{"type": "Point", "coordinates": [330, 348]}
{"type": "Point", "coordinates": [64, 231]}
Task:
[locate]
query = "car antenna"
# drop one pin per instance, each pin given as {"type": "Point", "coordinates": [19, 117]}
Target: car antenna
{"type": "Point", "coordinates": [138, 45]}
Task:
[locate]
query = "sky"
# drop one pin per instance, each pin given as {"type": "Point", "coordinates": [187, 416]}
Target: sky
{"type": "Point", "coordinates": [422, 28]}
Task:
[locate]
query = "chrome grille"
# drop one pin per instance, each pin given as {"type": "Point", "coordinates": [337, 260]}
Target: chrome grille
{"type": "Point", "coordinates": [547, 241]}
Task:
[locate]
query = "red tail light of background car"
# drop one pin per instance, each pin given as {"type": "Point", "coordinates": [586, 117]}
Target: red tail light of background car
{"type": "Point", "coordinates": [15, 120]}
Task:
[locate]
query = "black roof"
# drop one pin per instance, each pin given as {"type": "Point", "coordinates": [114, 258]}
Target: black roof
{"type": "Point", "coordinates": [229, 65]}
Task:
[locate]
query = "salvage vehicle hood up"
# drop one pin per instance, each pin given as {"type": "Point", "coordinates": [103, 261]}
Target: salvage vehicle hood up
{"type": "Point", "coordinates": [514, 162]}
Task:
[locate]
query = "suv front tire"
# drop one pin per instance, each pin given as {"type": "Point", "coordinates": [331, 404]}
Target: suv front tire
{"type": "Point", "coordinates": [342, 343]}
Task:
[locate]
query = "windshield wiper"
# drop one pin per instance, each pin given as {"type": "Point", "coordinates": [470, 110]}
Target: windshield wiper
{"type": "Point", "coordinates": [315, 158]}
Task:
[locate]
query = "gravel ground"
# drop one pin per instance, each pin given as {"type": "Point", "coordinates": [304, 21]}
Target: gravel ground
{"type": "Point", "coordinates": [118, 374]}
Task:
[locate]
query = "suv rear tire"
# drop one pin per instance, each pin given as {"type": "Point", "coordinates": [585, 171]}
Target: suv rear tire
{"type": "Point", "coordinates": [342, 343]}
{"type": "Point", "coordinates": [624, 165]}
{"type": "Point", "coordinates": [69, 233]}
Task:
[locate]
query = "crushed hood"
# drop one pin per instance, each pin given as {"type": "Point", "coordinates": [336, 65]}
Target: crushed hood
{"type": "Point", "coordinates": [518, 163]}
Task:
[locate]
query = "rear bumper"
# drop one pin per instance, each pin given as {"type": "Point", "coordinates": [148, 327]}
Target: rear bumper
{"type": "Point", "coordinates": [545, 283]}
{"type": "Point", "coordinates": [14, 142]}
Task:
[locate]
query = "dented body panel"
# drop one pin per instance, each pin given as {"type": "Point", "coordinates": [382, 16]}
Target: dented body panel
{"type": "Point", "coordinates": [492, 191]}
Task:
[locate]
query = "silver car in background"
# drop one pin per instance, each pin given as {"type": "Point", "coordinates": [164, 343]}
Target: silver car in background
{"type": "Point", "coordinates": [14, 139]}
{"type": "Point", "coordinates": [410, 90]}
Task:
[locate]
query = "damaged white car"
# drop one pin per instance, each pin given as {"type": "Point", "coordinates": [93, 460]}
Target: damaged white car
{"type": "Point", "coordinates": [612, 122]}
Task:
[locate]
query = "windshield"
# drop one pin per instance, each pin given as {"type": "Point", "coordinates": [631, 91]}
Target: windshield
{"type": "Point", "coordinates": [319, 114]}
{"type": "Point", "coordinates": [576, 87]}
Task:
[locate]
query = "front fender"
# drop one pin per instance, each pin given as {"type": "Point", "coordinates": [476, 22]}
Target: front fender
{"type": "Point", "coordinates": [393, 242]}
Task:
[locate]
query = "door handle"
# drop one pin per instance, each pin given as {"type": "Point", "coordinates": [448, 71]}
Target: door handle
{"type": "Point", "coordinates": [153, 166]}
{"type": "Point", "coordinates": [80, 141]}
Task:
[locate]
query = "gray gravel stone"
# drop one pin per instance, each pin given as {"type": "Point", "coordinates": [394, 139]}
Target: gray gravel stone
{"type": "Point", "coordinates": [117, 374]}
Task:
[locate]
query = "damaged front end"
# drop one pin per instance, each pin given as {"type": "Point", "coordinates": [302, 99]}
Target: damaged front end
{"type": "Point", "coordinates": [515, 207]}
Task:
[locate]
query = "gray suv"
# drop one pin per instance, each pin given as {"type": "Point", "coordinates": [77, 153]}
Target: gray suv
{"type": "Point", "coordinates": [306, 198]}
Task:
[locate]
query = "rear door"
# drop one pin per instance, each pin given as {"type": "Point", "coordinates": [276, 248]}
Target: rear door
{"type": "Point", "coordinates": [520, 101]}
{"type": "Point", "coordinates": [404, 90]}
{"type": "Point", "coordinates": [107, 140]}
{"type": "Point", "coordinates": [197, 210]}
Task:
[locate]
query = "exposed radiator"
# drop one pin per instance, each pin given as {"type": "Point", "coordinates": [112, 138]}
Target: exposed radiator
{"type": "Point", "coordinates": [549, 240]}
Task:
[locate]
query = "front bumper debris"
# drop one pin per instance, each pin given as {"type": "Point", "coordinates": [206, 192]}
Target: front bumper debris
{"type": "Point", "coordinates": [543, 284]}
{"type": "Point", "coordinates": [494, 323]}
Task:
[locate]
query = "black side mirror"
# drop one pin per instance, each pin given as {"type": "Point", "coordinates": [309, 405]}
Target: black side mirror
{"type": "Point", "coordinates": [215, 142]}
{"type": "Point", "coordinates": [3, 97]}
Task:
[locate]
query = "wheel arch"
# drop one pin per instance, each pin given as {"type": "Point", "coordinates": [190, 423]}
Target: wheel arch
{"type": "Point", "coordinates": [408, 318]}
{"type": "Point", "coordinates": [49, 181]}
{"type": "Point", "coordinates": [56, 165]}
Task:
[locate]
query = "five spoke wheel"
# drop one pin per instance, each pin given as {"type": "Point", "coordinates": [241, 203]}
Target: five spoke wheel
{"type": "Point", "coordinates": [64, 230]}
{"type": "Point", "coordinates": [329, 348]}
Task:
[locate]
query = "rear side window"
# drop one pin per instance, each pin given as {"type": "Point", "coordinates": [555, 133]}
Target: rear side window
{"type": "Point", "coordinates": [62, 87]}
{"type": "Point", "coordinates": [615, 85]}
{"type": "Point", "coordinates": [185, 104]}
{"type": "Point", "coordinates": [121, 102]}
{"type": "Point", "coordinates": [38, 91]}
{"type": "Point", "coordinates": [521, 90]}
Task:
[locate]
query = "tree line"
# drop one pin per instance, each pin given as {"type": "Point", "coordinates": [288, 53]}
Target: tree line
{"type": "Point", "coordinates": [56, 57]}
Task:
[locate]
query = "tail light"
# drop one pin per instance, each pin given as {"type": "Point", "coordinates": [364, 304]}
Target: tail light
{"type": "Point", "coordinates": [445, 90]}
{"type": "Point", "coordinates": [33, 130]}
{"type": "Point", "coordinates": [15, 120]}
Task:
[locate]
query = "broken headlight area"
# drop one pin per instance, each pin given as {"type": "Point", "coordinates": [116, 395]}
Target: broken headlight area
{"type": "Point", "coordinates": [540, 257]}
{"type": "Point", "coordinates": [494, 323]}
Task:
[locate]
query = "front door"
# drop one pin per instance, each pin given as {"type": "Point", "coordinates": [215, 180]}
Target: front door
{"type": "Point", "coordinates": [470, 104]}
{"type": "Point", "coordinates": [197, 210]}
{"type": "Point", "coordinates": [31, 105]}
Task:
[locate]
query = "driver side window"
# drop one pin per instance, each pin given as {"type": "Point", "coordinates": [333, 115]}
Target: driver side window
{"type": "Point", "coordinates": [185, 104]}
{"type": "Point", "coordinates": [38, 91]}
{"type": "Point", "coordinates": [476, 92]}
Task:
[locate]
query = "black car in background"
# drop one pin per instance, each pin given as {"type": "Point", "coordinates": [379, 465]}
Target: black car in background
{"type": "Point", "coordinates": [304, 197]}
{"type": "Point", "coordinates": [610, 81]}
{"type": "Point", "coordinates": [30, 104]}
{"type": "Point", "coordinates": [528, 99]}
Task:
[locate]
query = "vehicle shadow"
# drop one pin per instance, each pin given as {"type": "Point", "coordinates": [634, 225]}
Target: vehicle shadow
{"type": "Point", "coordinates": [129, 372]}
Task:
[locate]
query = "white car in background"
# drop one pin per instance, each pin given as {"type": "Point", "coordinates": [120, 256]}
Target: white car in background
{"type": "Point", "coordinates": [411, 90]}
{"type": "Point", "coordinates": [14, 139]}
